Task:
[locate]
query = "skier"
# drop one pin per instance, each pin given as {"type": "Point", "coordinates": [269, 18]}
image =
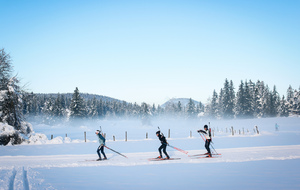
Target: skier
{"type": "Point", "coordinates": [207, 135]}
{"type": "Point", "coordinates": [163, 145]}
{"type": "Point", "coordinates": [101, 147]}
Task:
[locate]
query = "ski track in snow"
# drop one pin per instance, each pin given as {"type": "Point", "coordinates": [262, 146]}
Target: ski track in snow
{"type": "Point", "coordinates": [134, 159]}
{"type": "Point", "coordinates": [18, 172]}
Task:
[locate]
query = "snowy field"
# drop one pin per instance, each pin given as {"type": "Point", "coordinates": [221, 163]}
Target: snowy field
{"type": "Point", "coordinates": [268, 160]}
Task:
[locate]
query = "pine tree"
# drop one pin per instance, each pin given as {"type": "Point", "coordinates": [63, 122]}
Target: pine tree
{"type": "Point", "coordinates": [10, 94]}
{"type": "Point", "coordinates": [77, 107]}
{"type": "Point", "coordinates": [221, 106]}
{"type": "Point", "coordinates": [212, 108]}
{"type": "Point", "coordinates": [227, 100]}
{"type": "Point", "coordinates": [283, 111]}
{"type": "Point", "coordinates": [191, 109]}
{"type": "Point", "coordinates": [240, 101]}
{"type": "Point", "coordinates": [11, 110]}
{"type": "Point", "coordinates": [248, 108]}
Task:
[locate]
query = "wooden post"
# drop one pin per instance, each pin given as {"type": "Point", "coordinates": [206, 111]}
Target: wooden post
{"type": "Point", "coordinates": [51, 137]}
{"type": "Point", "coordinates": [84, 136]}
{"type": "Point", "coordinates": [257, 129]}
{"type": "Point", "coordinates": [104, 135]}
{"type": "Point", "coordinates": [66, 135]}
{"type": "Point", "coordinates": [169, 133]}
{"type": "Point", "coordinates": [114, 138]}
{"type": "Point", "coordinates": [232, 131]}
{"type": "Point", "coordinates": [191, 134]}
{"type": "Point", "coordinates": [125, 135]}
{"type": "Point", "coordinates": [146, 135]}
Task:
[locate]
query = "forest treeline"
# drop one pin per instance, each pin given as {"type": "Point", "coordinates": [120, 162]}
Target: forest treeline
{"type": "Point", "coordinates": [251, 100]}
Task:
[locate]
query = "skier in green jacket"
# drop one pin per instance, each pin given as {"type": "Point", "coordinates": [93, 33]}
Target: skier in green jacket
{"type": "Point", "coordinates": [101, 147]}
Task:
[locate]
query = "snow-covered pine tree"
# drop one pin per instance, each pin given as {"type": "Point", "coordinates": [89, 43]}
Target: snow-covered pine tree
{"type": "Point", "coordinates": [145, 114]}
{"type": "Point", "coordinates": [227, 100]}
{"type": "Point", "coordinates": [256, 101]}
{"type": "Point", "coordinates": [191, 109]}
{"type": "Point", "coordinates": [11, 111]}
{"type": "Point", "coordinates": [240, 101]}
{"type": "Point", "coordinates": [153, 110]}
{"type": "Point", "coordinates": [221, 106]}
{"type": "Point", "coordinates": [283, 111]}
{"type": "Point", "coordinates": [77, 107]}
{"type": "Point", "coordinates": [212, 107]}
{"type": "Point", "coordinates": [179, 109]}
{"type": "Point", "coordinates": [248, 109]}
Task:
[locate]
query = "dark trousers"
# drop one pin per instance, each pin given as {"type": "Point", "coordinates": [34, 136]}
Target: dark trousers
{"type": "Point", "coordinates": [101, 148]}
{"type": "Point", "coordinates": [163, 147]}
{"type": "Point", "coordinates": [207, 143]}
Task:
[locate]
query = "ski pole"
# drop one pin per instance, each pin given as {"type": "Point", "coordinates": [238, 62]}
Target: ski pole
{"type": "Point", "coordinates": [115, 151]}
{"type": "Point", "coordinates": [180, 150]}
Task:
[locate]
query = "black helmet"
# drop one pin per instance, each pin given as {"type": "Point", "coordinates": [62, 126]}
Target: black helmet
{"type": "Point", "coordinates": [205, 126]}
{"type": "Point", "coordinates": [158, 132]}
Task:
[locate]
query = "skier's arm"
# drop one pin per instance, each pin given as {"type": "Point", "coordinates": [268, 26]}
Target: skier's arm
{"type": "Point", "coordinates": [201, 131]}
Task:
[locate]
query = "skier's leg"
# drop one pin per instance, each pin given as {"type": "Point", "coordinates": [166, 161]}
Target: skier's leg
{"type": "Point", "coordinates": [98, 151]}
{"type": "Point", "coordinates": [207, 142]}
{"type": "Point", "coordinates": [102, 151]}
{"type": "Point", "coordinates": [159, 150]}
{"type": "Point", "coordinates": [165, 151]}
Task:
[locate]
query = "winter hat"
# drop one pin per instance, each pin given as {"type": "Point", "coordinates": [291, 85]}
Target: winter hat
{"type": "Point", "coordinates": [205, 126]}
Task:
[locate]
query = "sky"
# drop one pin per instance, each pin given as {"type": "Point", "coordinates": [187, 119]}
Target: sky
{"type": "Point", "coordinates": [153, 50]}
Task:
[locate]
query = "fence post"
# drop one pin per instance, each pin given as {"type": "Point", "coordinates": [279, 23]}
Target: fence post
{"type": "Point", "coordinates": [191, 134]}
{"type": "Point", "coordinates": [257, 129]}
{"type": "Point", "coordinates": [114, 138]}
{"type": "Point", "coordinates": [147, 135]}
{"type": "Point", "coordinates": [84, 136]}
{"type": "Point", "coordinates": [51, 137]}
{"type": "Point", "coordinates": [232, 131]}
{"type": "Point", "coordinates": [169, 133]}
{"type": "Point", "coordinates": [125, 135]}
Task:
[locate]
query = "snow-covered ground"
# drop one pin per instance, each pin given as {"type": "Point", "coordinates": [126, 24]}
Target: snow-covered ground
{"type": "Point", "coordinates": [268, 160]}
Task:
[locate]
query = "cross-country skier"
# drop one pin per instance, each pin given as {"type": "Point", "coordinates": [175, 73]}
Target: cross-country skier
{"type": "Point", "coordinates": [101, 147]}
{"type": "Point", "coordinates": [207, 135]}
{"type": "Point", "coordinates": [163, 145]}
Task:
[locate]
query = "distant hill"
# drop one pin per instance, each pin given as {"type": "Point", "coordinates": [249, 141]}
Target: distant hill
{"type": "Point", "coordinates": [85, 96]}
{"type": "Point", "coordinates": [183, 101]}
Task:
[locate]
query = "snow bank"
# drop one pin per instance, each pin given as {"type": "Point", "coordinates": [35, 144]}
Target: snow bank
{"type": "Point", "coordinates": [39, 138]}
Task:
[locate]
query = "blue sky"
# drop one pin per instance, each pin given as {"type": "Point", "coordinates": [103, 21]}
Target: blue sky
{"type": "Point", "coordinates": [151, 51]}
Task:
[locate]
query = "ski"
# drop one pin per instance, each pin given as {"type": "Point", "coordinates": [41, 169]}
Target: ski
{"type": "Point", "coordinates": [161, 159]}
{"type": "Point", "coordinates": [203, 155]}
{"type": "Point", "coordinates": [95, 160]}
